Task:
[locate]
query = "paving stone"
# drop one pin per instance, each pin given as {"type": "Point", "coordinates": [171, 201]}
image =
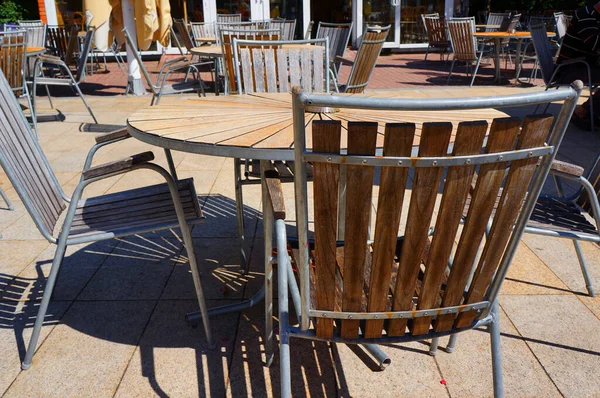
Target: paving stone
{"type": "Point", "coordinates": [87, 354]}
{"type": "Point", "coordinates": [173, 359]}
{"type": "Point", "coordinates": [562, 333]}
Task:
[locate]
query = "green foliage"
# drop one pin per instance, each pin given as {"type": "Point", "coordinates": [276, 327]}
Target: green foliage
{"type": "Point", "coordinates": [10, 11]}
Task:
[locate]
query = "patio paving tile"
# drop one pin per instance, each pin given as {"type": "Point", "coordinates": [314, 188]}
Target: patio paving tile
{"type": "Point", "coordinates": [468, 370]}
{"type": "Point", "coordinates": [563, 335]}
{"type": "Point", "coordinates": [15, 256]}
{"type": "Point", "coordinates": [87, 353]}
{"type": "Point", "coordinates": [559, 255]}
{"type": "Point", "coordinates": [16, 325]}
{"type": "Point", "coordinates": [173, 359]}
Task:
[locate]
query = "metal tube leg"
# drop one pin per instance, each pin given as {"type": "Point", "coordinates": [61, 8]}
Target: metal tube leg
{"type": "Point", "coordinates": [239, 206]}
{"type": "Point", "coordinates": [451, 343]}
{"type": "Point", "coordinates": [380, 356]}
{"type": "Point", "coordinates": [85, 102]}
{"type": "Point", "coordinates": [476, 69]}
{"type": "Point", "coordinates": [282, 276]}
{"type": "Point", "coordinates": [39, 320]}
{"type": "Point", "coordinates": [494, 329]}
{"type": "Point", "coordinates": [268, 234]}
{"type": "Point", "coordinates": [32, 111]}
{"type": "Point", "coordinates": [433, 347]}
{"type": "Point", "coordinates": [9, 204]}
{"type": "Point", "coordinates": [171, 164]}
{"type": "Point", "coordinates": [451, 69]}
{"type": "Point", "coordinates": [584, 270]}
{"type": "Point", "coordinates": [49, 97]}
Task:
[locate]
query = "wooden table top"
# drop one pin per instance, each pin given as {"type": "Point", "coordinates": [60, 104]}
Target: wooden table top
{"type": "Point", "coordinates": [507, 35]}
{"type": "Point", "coordinates": [260, 125]}
{"type": "Point", "coordinates": [208, 51]}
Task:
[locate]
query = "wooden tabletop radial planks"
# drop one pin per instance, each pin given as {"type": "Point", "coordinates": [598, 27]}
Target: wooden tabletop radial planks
{"type": "Point", "coordinates": [260, 125]}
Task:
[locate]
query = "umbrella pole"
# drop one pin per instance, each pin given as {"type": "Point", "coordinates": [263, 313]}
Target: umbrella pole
{"type": "Point", "coordinates": [134, 80]}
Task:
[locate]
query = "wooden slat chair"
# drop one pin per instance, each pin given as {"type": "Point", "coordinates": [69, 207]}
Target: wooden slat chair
{"type": "Point", "coordinates": [65, 78]}
{"type": "Point", "coordinates": [229, 18]}
{"type": "Point", "coordinates": [561, 26]}
{"type": "Point", "coordinates": [437, 38]}
{"type": "Point", "coordinates": [152, 208]}
{"type": "Point", "coordinates": [226, 36]}
{"type": "Point", "coordinates": [203, 29]}
{"type": "Point", "coordinates": [179, 30]}
{"type": "Point", "coordinates": [13, 63]}
{"type": "Point", "coordinates": [36, 32]}
{"type": "Point", "coordinates": [61, 41]}
{"type": "Point", "coordinates": [549, 69]}
{"type": "Point", "coordinates": [179, 64]}
{"type": "Point", "coordinates": [424, 27]}
{"type": "Point", "coordinates": [338, 35]}
{"type": "Point", "coordinates": [365, 61]}
{"type": "Point", "coordinates": [287, 27]}
{"type": "Point", "coordinates": [370, 293]}
{"type": "Point", "coordinates": [464, 45]}
{"type": "Point", "coordinates": [496, 18]}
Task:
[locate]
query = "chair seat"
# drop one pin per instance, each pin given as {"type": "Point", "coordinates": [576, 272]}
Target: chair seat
{"type": "Point", "coordinates": [137, 208]}
{"type": "Point", "coordinates": [559, 215]}
{"type": "Point", "coordinates": [284, 168]}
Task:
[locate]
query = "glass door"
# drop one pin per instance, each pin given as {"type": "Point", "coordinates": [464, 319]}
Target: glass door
{"type": "Point", "coordinates": [383, 13]}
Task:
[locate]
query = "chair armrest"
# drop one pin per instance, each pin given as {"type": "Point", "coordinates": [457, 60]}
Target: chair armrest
{"type": "Point", "coordinates": [117, 166]}
{"type": "Point", "coordinates": [566, 168]}
{"type": "Point", "coordinates": [344, 61]}
{"type": "Point", "coordinates": [51, 59]}
{"type": "Point", "coordinates": [113, 136]}
{"type": "Point", "coordinates": [273, 184]}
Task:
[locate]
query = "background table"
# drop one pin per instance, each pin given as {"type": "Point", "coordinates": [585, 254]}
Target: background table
{"type": "Point", "coordinates": [497, 37]}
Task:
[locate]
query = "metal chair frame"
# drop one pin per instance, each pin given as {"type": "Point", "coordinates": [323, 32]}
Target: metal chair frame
{"type": "Point", "coordinates": [487, 313]}
{"type": "Point", "coordinates": [460, 45]}
{"type": "Point", "coordinates": [36, 32]}
{"type": "Point", "coordinates": [437, 38]}
{"type": "Point", "coordinates": [172, 65]}
{"type": "Point", "coordinates": [339, 37]}
{"type": "Point", "coordinates": [14, 127]}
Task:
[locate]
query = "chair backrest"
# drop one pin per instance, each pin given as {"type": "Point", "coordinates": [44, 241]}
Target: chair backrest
{"type": "Point", "coordinates": [366, 58]}
{"type": "Point", "coordinates": [512, 26]}
{"type": "Point", "coordinates": [548, 22]}
{"type": "Point", "coordinates": [138, 58]}
{"type": "Point", "coordinates": [26, 165]}
{"type": "Point", "coordinates": [287, 28]}
{"type": "Point", "coordinates": [436, 29]}
{"type": "Point", "coordinates": [338, 35]}
{"type": "Point", "coordinates": [62, 41]}
{"type": "Point", "coordinates": [182, 31]}
{"type": "Point", "coordinates": [203, 29]}
{"type": "Point", "coordinates": [229, 17]}
{"type": "Point", "coordinates": [84, 53]}
{"type": "Point", "coordinates": [497, 18]}
{"type": "Point", "coordinates": [539, 36]}
{"type": "Point", "coordinates": [277, 66]}
{"type": "Point", "coordinates": [423, 16]}
{"type": "Point", "coordinates": [36, 32]}
{"type": "Point", "coordinates": [13, 47]}
{"type": "Point", "coordinates": [362, 282]}
{"type": "Point", "coordinates": [226, 40]}
{"type": "Point", "coordinates": [561, 25]}
{"type": "Point", "coordinates": [464, 44]}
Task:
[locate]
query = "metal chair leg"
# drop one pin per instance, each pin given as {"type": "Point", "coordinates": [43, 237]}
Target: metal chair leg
{"type": "Point", "coordinates": [584, 269]}
{"type": "Point", "coordinates": [49, 97]}
{"type": "Point", "coordinates": [239, 206]}
{"type": "Point", "coordinates": [494, 329]}
{"type": "Point", "coordinates": [9, 204]}
{"type": "Point", "coordinates": [433, 347]}
{"type": "Point", "coordinates": [451, 69]}
{"type": "Point", "coordinates": [451, 343]}
{"type": "Point", "coordinates": [171, 164]}
{"type": "Point", "coordinates": [282, 276]}
{"type": "Point", "coordinates": [76, 86]}
{"type": "Point", "coordinates": [476, 69]}
{"type": "Point", "coordinates": [268, 243]}
{"type": "Point", "coordinates": [32, 112]}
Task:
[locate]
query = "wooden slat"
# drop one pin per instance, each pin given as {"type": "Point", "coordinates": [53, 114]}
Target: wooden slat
{"type": "Point", "coordinates": [469, 140]}
{"type": "Point", "coordinates": [306, 64]}
{"type": "Point", "coordinates": [270, 70]}
{"type": "Point", "coordinates": [318, 70]}
{"type": "Point", "coordinates": [259, 70]}
{"type": "Point", "coordinates": [398, 142]}
{"type": "Point", "coordinates": [326, 138]}
{"type": "Point", "coordinates": [502, 137]}
{"type": "Point", "coordinates": [434, 142]}
{"type": "Point", "coordinates": [535, 130]}
{"type": "Point", "coordinates": [362, 139]}
{"type": "Point", "coordinates": [246, 70]}
{"type": "Point", "coordinates": [282, 70]}
{"type": "Point", "coordinates": [294, 59]}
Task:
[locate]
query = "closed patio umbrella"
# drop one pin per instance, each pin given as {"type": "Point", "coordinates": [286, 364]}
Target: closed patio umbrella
{"type": "Point", "coordinates": [97, 14]}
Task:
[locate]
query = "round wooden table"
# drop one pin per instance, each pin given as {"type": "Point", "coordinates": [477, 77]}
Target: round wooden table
{"type": "Point", "coordinates": [259, 126]}
{"type": "Point", "coordinates": [208, 51]}
{"type": "Point", "coordinates": [497, 37]}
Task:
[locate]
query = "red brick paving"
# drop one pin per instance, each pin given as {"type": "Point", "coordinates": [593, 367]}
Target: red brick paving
{"type": "Point", "coordinates": [392, 71]}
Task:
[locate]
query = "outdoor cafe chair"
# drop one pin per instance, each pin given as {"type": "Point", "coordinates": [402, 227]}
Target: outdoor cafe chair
{"type": "Point", "coordinates": [173, 65]}
{"type": "Point", "coordinates": [287, 27]}
{"type": "Point", "coordinates": [400, 290]}
{"type": "Point", "coordinates": [36, 32]}
{"type": "Point", "coordinates": [45, 62]}
{"type": "Point", "coordinates": [464, 45]}
{"type": "Point", "coordinates": [268, 66]}
{"type": "Point", "coordinates": [339, 36]}
{"type": "Point", "coordinates": [61, 41]}
{"type": "Point", "coordinates": [366, 59]}
{"type": "Point", "coordinates": [229, 18]}
{"type": "Point", "coordinates": [152, 208]}
{"type": "Point", "coordinates": [13, 63]}
{"type": "Point", "coordinates": [549, 69]}
{"type": "Point", "coordinates": [499, 19]}
{"type": "Point", "coordinates": [561, 26]}
{"type": "Point", "coordinates": [437, 36]}
{"type": "Point", "coordinates": [202, 29]}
